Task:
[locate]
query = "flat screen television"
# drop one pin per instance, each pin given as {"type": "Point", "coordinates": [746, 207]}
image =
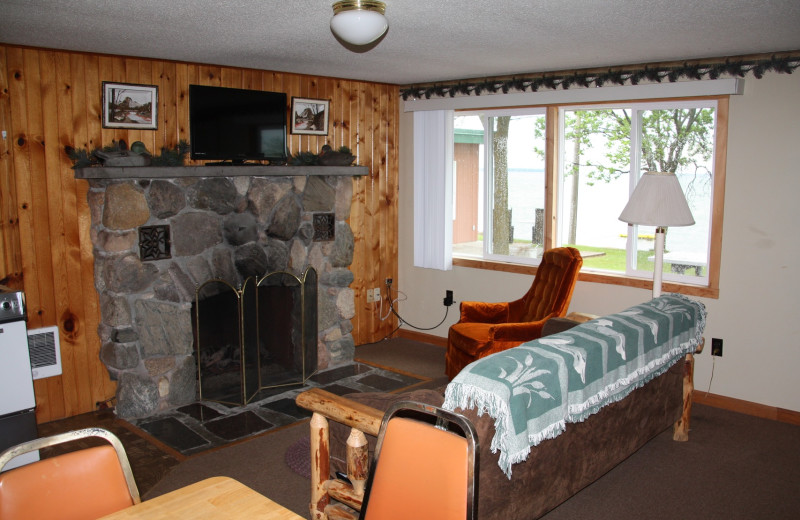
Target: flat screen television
{"type": "Point", "coordinates": [237, 125]}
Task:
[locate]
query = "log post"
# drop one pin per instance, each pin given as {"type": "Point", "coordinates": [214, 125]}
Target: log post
{"type": "Point", "coordinates": [357, 460]}
{"type": "Point", "coordinates": [337, 513]}
{"type": "Point", "coordinates": [320, 466]}
{"type": "Point", "coordinates": [680, 431]}
{"type": "Point", "coordinates": [364, 420]}
{"type": "Point", "coordinates": [342, 410]}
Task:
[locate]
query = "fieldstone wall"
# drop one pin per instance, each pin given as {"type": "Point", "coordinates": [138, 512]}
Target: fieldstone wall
{"type": "Point", "coordinates": [211, 227]}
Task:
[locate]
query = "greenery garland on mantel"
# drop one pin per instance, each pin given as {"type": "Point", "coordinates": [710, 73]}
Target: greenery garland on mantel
{"type": "Point", "coordinates": [784, 62]}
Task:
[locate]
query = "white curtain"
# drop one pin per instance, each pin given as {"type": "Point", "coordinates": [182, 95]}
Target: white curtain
{"type": "Point", "coordinates": [433, 189]}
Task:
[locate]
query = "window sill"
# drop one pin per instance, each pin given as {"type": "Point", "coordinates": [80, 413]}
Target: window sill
{"type": "Point", "coordinates": [594, 277]}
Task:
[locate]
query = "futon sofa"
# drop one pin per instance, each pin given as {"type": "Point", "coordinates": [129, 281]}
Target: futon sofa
{"type": "Point", "coordinates": [570, 455]}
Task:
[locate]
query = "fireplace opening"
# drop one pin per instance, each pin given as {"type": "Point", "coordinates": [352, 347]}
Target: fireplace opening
{"type": "Point", "coordinates": [261, 335]}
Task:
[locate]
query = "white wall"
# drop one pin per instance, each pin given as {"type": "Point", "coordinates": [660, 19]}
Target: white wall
{"type": "Point", "coordinates": [757, 312]}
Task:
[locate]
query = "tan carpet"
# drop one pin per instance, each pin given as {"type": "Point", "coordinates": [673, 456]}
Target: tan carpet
{"type": "Point", "coordinates": [404, 355]}
{"type": "Point", "coordinates": [257, 463]}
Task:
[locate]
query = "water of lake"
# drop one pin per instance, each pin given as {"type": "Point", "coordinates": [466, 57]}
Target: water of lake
{"type": "Point", "coordinates": [599, 207]}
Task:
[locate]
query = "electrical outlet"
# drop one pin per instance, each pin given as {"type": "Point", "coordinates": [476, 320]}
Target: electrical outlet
{"type": "Point", "coordinates": [370, 296]}
{"type": "Point", "coordinates": [716, 347]}
{"type": "Point", "coordinates": [448, 298]}
{"type": "Point", "coordinates": [388, 282]}
{"type": "Point", "coordinates": [376, 294]}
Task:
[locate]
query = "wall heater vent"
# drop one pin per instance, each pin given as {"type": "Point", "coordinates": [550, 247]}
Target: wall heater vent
{"type": "Point", "coordinates": [45, 351]}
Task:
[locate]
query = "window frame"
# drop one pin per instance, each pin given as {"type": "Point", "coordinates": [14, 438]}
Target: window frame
{"type": "Point", "coordinates": [488, 188]}
{"type": "Point", "coordinates": [552, 180]}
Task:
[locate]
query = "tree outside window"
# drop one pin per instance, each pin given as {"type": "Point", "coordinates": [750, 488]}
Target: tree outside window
{"type": "Point", "coordinates": [499, 196]}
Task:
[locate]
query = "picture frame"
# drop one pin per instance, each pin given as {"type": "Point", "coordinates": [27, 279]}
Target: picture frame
{"type": "Point", "coordinates": [310, 116]}
{"type": "Point", "coordinates": [130, 105]}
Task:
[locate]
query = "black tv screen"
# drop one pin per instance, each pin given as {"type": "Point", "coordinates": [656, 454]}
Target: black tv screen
{"type": "Point", "coordinates": [231, 124]}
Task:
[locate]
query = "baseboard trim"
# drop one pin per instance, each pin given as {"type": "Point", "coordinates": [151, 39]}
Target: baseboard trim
{"type": "Point", "coordinates": [746, 407]}
{"type": "Point", "coordinates": [423, 337]}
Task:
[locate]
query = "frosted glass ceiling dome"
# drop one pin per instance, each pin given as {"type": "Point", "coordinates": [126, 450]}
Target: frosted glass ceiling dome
{"type": "Point", "coordinates": [359, 22]}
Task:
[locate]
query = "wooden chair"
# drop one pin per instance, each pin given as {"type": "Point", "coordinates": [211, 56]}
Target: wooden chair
{"type": "Point", "coordinates": [485, 328]}
{"type": "Point", "coordinates": [83, 484]}
{"type": "Point", "coordinates": [421, 469]}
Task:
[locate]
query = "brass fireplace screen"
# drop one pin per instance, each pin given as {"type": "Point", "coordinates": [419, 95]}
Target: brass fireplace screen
{"type": "Point", "coordinates": [262, 335]}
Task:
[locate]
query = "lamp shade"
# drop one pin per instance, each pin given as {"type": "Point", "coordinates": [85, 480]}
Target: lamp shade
{"type": "Point", "coordinates": [359, 22]}
{"type": "Point", "coordinates": [658, 200]}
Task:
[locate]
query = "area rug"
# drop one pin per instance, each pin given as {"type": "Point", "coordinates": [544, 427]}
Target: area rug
{"type": "Point", "coordinates": [298, 457]}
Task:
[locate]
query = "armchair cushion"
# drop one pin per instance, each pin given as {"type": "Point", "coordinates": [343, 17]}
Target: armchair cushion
{"type": "Point", "coordinates": [484, 312]}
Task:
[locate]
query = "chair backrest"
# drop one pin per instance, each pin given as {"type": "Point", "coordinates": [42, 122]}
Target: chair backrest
{"type": "Point", "coordinates": [552, 286]}
{"type": "Point", "coordinates": [421, 470]}
{"type": "Point", "coordinates": [83, 484]}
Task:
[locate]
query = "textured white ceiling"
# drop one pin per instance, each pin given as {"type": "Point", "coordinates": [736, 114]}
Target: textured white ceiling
{"type": "Point", "coordinates": [427, 40]}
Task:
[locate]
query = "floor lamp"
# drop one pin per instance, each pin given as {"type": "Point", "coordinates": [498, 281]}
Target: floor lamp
{"type": "Point", "coordinates": [658, 200]}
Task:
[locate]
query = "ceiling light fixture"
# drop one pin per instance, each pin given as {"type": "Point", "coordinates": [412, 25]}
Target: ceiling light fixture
{"type": "Point", "coordinates": [359, 22]}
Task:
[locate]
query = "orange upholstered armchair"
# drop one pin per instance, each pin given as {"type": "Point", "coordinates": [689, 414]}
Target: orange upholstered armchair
{"type": "Point", "coordinates": [486, 328]}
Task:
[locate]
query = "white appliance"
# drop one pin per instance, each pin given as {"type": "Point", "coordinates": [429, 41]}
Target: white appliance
{"type": "Point", "coordinates": [17, 400]}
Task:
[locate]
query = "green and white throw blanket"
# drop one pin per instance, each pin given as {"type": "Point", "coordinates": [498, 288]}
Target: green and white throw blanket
{"type": "Point", "coordinates": [532, 391]}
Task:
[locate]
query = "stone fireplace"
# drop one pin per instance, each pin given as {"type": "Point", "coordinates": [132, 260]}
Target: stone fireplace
{"type": "Point", "coordinates": [160, 233]}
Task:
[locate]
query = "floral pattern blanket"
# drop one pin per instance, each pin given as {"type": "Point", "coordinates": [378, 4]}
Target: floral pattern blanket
{"type": "Point", "coordinates": [532, 391]}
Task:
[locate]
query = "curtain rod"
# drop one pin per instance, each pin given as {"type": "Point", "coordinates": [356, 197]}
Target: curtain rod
{"type": "Point", "coordinates": [708, 68]}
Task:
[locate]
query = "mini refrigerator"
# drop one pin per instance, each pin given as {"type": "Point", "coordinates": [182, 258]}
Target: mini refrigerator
{"type": "Point", "coordinates": [17, 400]}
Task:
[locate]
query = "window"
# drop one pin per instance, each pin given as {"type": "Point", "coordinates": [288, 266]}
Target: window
{"type": "Point", "coordinates": [599, 153]}
{"type": "Point", "coordinates": [498, 209]}
{"type": "Point", "coordinates": [601, 147]}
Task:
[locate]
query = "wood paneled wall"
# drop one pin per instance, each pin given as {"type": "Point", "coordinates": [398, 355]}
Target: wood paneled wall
{"type": "Point", "coordinates": [52, 99]}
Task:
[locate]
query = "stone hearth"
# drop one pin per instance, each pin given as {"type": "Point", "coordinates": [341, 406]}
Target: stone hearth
{"type": "Point", "coordinates": [156, 240]}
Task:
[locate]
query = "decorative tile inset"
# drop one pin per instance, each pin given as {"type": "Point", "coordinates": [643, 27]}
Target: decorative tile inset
{"type": "Point", "coordinates": [338, 373]}
{"type": "Point", "coordinates": [236, 426]}
{"type": "Point", "coordinates": [199, 412]}
{"type": "Point", "coordinates": [174, 433]}
{"type": "Point", "coordinates": [154, 243]}
{"type": "Point", "coordinates": [386, 384]}
{"type": "Point", "coordinates": [288, 407]}
{"type": "Point", "coordinates": [324, 227]}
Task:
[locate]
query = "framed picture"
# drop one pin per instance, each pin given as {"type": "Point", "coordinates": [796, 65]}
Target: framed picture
{"type": "Point", "coordinates": [127, 105]}
{"type": "Point", "coordinates": [310, 116]}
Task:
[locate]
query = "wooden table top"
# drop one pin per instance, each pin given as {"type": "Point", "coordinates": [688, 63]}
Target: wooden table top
{"type": "Point", "coordinates": [217, 497]}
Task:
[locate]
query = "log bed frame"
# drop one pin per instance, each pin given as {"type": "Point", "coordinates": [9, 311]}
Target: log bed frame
{"type": "Point", "coordinates": [364, 420]}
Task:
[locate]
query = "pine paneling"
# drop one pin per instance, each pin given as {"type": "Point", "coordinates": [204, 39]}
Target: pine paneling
{"type": "Point", "coordinates": [52, 99]}
{"type": "Point", "coordinates": [10, 255]}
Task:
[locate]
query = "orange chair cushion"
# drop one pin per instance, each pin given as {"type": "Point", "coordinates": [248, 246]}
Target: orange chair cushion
{"type": "Point", "coordinates": [421, 473]}
{"type": "Point", "coordinates": [79, 485]}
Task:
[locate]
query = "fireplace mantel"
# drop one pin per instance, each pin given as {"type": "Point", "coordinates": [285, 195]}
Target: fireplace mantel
{"type": "Point", "coordinates": [170, 172]}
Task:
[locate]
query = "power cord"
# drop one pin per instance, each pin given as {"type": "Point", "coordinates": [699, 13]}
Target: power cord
{"type": "Point", "coordinates": [400, 297]}
{"type": "Point", "coordinates": [392, 310]}
{"type": "Point", "coordinates": [713, 364]}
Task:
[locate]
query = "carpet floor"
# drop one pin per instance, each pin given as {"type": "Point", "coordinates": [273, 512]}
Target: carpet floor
{"type": "Point", "coordinates": [405, 356]}
{"type": "Point", "coordinates": [258, 463]}
{"type": "Point", "coordinates": [734, 466]}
